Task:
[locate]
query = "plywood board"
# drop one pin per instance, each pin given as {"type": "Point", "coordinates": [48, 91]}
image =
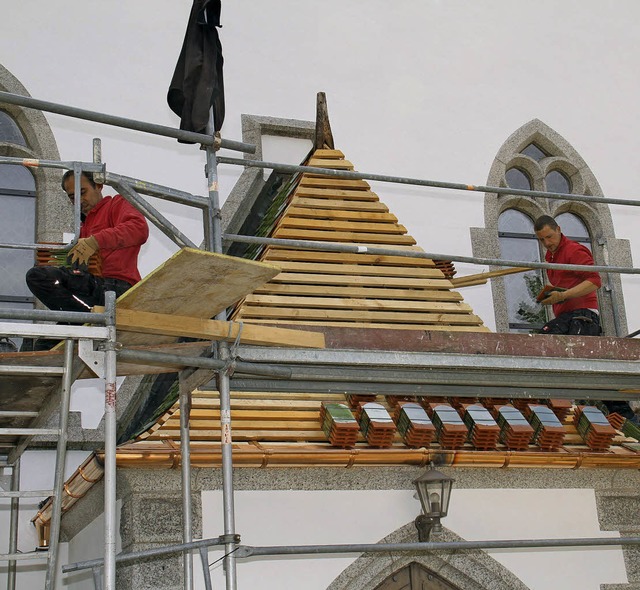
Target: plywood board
{"type": "Point", "coordinates": [192, 283]}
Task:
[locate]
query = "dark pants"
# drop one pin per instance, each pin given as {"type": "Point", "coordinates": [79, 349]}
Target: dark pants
{"type": "Point", "coordinates": [584, 322]}
{"type": "Point", "coordinates": [64, 289]}
{"type": "Point", "coordinates": [579, 322]}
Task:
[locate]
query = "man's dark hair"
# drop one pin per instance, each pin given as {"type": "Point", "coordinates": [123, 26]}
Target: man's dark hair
{"type": "Point", "coordinates": [69, 173]}
{"type": "Point", "coordinates": [544, 221]}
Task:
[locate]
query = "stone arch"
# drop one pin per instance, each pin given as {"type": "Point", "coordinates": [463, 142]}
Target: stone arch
{"type": "Point", "coordinates": [53, 214]}
{"type": "Point", "coordinates": [561, 156]}
{"type": "Point", "coordinates": [471, 570]}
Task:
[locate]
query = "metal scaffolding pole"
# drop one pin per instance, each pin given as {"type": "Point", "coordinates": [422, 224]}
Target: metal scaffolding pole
{"type": "Point", "coordinates": [247, 551]}
{"type": "Point", "coordinates": [61, 452]}
{"type": "Point", "coordinates": [360, 249]}
{"type": "Point", "coordinates": [155, 552]}
{"type": "Point", "coordinates": [153, 215]}
{"type": "Point", "coordinates": [110, 515]}
{"type": "Point", "coordinates": [13, 525]}
{"type": "Point", "coordinates": [153, 128]}
{"type": "Point", "coordinates": [226, 438]}
{"type": "Point", "coordinates": [430, 183]}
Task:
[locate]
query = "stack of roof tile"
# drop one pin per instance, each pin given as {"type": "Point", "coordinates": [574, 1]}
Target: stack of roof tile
{"type": "Point", "coordinates": [451, 432]}
{"type": "Point", "coordinates": [355, 400]}
{"type": "Point", "coordinates": [523, 404]}
{"type": "Point", "coordinates": [631, 429]}
{"type": "Point", "coordinates": [338, 424]}
{"type": "Point", "coordinates": [413, 424]}
{"type": "Point", "coordinates": [460, 403]}
{"type": "Point", "coordinates": [515, 432]}
{"type": "Point", "coordinates": [548, 432]}
{"type": "Point", "coordinates": [428, 400]}
{"type": "Point", "coordinates": [616, 420]}
{"type": "Point", "coordinates": [447, 267]}
{"type": "Point", "coordinates": [394, 400]}
{"type": "Point", "coordinates": [560, 407]}
{"type": "Point", "coordinates": [593, 426]}
{"type": "Point", "coordinates": [376, 425]}
{"type": "Point", "coordinates": [49, 257]}
{"type": "Point", "coordinates": [491, 402]}
{"type": "Point", "coordinates": [483, 430]}
{"type": "Point", "coordinates": [624, 425]}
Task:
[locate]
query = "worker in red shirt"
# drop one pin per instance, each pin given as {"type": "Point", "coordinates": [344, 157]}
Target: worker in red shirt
{"type": "Point", "coordinates": [574, 299]}
{"type": "Point", "coordinates": [575, 304]}
{"type": "Point", "coordinates": [114, 229]}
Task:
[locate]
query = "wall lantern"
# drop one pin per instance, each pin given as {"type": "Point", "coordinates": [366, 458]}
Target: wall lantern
{"type": "Point", "coordinates": [434, 492]}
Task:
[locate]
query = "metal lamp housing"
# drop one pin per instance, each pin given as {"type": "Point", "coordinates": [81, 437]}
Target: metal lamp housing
{"type": "Point", "coordinates": [434, 492]}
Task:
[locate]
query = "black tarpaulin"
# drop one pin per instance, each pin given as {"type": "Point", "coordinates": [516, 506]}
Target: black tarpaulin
{"type": "Point", "coordinates": [197, 83]}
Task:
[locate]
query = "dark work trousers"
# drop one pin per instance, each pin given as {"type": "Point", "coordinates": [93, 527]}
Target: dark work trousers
{"type": "Point", "coordinates": [584, 322]}
{"type": "Point", "coordinates": [579, 322]}
{"type": "Point", "coordinates": [65, 289]}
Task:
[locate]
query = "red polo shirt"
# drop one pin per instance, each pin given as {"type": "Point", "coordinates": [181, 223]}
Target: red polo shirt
{"type": "Point", "coordinates": [570, 252]}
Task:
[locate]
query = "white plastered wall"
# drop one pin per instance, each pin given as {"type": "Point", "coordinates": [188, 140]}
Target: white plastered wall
{"type": "Point", "coordinates": [345, 517]}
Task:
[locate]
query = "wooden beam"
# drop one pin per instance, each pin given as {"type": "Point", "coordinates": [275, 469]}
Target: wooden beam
{"type": "Point", "coordinates": [184, 326]}
{"type": "Point", "coordinates": [323, 136]}
{"type": "Point", "coordinates": [481, 278]}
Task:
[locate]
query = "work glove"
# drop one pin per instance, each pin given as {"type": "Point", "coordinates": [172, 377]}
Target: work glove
{"type": "Point", "coordinates": [83, 250]}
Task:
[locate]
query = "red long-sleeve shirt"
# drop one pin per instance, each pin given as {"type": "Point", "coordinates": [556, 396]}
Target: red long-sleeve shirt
{"type": "Point", "coordinates": [570, 252]}
{"type": "Point", "coordinates": [120, 231]}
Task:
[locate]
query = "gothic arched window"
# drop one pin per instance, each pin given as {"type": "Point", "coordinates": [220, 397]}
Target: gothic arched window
{"type": "Point", "coordinates": [33, 206]}
{"type": "Point", "coordinates": [535, 157]}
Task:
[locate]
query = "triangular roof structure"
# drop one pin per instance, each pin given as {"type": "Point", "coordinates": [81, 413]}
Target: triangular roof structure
{"type": "Point", "coordinates": [349, 289]}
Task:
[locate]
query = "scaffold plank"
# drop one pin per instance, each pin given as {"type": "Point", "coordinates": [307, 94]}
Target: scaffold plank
{"type": "Point", "coordinates": [192, 283]}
